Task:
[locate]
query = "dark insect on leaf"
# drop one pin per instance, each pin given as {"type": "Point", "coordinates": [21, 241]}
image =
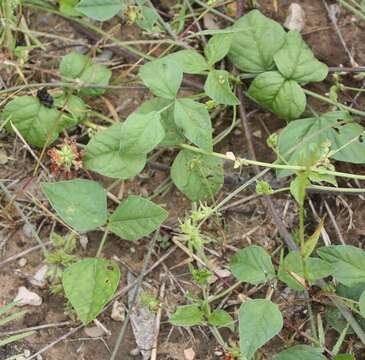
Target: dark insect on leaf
{"type": "Point", "coordinates": [45, 97]}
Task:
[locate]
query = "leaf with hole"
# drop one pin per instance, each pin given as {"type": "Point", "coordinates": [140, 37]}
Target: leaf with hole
{"type": "Point", "coordinates": [257, 41]}
{"type": "Point", "coordinates": [259, 321]}
{"type": "Point", "coordinates": [217, 86]}
{"type": "Point", "coordinates": [252, 265]}
{"type": "Point", "coordinates": [79, 203]}
{"type": "Point", "coordinates": [284, 97]}
{"type": "Point", "coordinates": [193, 117]}
{"type": "Point", "coordinates": [187, 315]}
{"type": "Point", "coordinates": [89, 285]}
{"type": "Point", "coordinates": [100, 10]}
{"type": "Point", "coordinates": [348, 263]}
{"type": "Point", "coordinates": [198, 176]}
{"type": "Point", "coordinates": [163, 77]}
{"type": "Point", "coordinates": [136, 217]}
{"type": "Point", "coordinates": [300, 352]}
{"type": "Point", "coordinates": [296, 61]}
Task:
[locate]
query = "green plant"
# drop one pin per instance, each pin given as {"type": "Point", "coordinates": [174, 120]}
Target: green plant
{"type": "Point", "coordinates": [278, 65]}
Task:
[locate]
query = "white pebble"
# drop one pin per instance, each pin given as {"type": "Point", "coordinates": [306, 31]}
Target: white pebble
{"type": "Point", "coordinates": [118, 311]}
{"type": "Point", "coordinates": [26, 297]}
{"type": "Point", "coordinates": [296, 18]}
{"type": "Point", "coordinates": [27, 353]}
{"type": "Point", "coordinates": [22, 262]}
{"type": "Point", "coordinates": [39, 279]}
{"type": "Point", "coordinates": [94, 331]}
{"type": "Point", "coordinates": [84, 240]}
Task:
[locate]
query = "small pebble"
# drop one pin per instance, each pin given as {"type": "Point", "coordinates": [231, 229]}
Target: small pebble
{"type": "Point", "coordinates": [94, 331]}
{"type": "Point", "coordinates": [134, 352]}
{"type": "Point", "coordinates": [118, 311]}
{"type": "Point", "coordinates": [27, 353]}
{"type": "Point", "coordinates": [26, 297]}
{"type": "Point", "coordinates": [296, 18]}
{"type": "Point", "coordinates": [21, 357]}
{"type": "Point", "coordinates": [28, 230]}
{"type": "Point", "coordinates": [39, 357]}
{"type": "Point", "coordinates": [189, 354]}
{"type": "Point", "coordinates": [22, 262]}
{"type": "Point", "coordinates": [39, 279]}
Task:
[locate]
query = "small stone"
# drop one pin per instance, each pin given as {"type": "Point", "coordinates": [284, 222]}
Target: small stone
{"type": "Point", "coordinates": [296, 18]}
{"type": "Point", "coordinates": [21, 357]}
{"type": "Point", "coordinates": [26, 297]}
{"type": "Point", "coordinates": [27, 353]}
{"type": "Point", "coordinates": [118, 311]}
{"type": "Point", "coordinates": [28, 230]}
{"type": "Point", "coordinates": [84, 240]}
{"type": "Point", "coordinates": [39, 279]}
{"type": "Point", "coordinates": [22, 262]}
{"type": "Point", "coordinates": [223, 273]}
{"type": "Point", "coordinates": [39, 357]}
{"type": "Point", "coordinates": [94, 331]}
{"type": "Point", "coordinates": [134, 352]}
{"type": "Point", "coordinates": [189, 354]}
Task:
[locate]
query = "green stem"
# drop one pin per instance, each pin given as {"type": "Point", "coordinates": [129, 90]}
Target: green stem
{"type": "Point", "coordinates": [224, 292]}
{"type": "Point", "coordinates": [296, 168]}
{"type": "Point", "coordinates": [352, 8]}
{"type": "Point", "coordinates": [335, 103]}
{"type": "Point", "coordinates": [102, 242]}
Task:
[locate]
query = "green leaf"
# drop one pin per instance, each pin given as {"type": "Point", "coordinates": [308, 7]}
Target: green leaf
{"type": "Point", "coordinates": [163, 77]}
{"type": "Point", "coordinates": [296, 61]}
{"type": "Point", "coordinates": [291, 270]}
{"type": "Point", "coordinates": [75, 109]}
{"type": "Point", "coordinates": [311, 243]}
{"type": "Point", "coordinates": [190, 61]}
{"type": "Point", "coordinates": [104, 154]}
{"type": "Point", "coordinates": [173, 134]}
{"type": "Point", "coordinates": [89, 284]}
{"type": "Point", "coordinates": [187, 315]}
{"type": "Point", "coordinates": [194, 119]}
{"type": "Point", "coordinates": [218, 47]}
{"type": "Point", "coordinates": [220, 318]}
{"type": "Point", "coordinates": [80, 203]}
{"type": "Point", "coordinates": [68, 7]}
{"type": "Point", "coordinates": [297, 188]}
{"type": "Point", "coordinates": [77, 66]}
{"type": "Point", "coordinates": [259, 321]}
{"type": "Point", "coordinates": [148, 20]}
{"type": "Point", "coordinates": [284, 97]}
{"type": "Point", "coordinates": [120, 151]}
{"type": "Point", "coordinates": [14, 338]}
{"type": "Point", "coordinates": [100, 10]}
{"type": "Point", "coordinates": [252, 265]}
{"type": "Point", "coordinates": [198, 176]}
{"type": "Point", "coordinates": [39, 125]}
{"type": "Point", "coordinates": [141, 133]}
{"type": "Point", "coordinates": [217, 87]}
{"type": "Point", "coordinates": [297, 138]}
{"type": "Point", "coordinates": [136, 217]}
{"type": "Point", "coordinates": [348, 263]}
{"type": "Point", "coordinates": [300, 352]}
{"type": "Point", "coordinates": [362, 304]}
{"type": "Point", "coordinates": [254, 46]}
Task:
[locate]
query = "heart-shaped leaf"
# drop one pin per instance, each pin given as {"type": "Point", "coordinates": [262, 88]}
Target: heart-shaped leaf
{"type": "Point", "coordinates": [259, 321]}
{"type": "Point", "coordinates": [89, 285]}
{"type": "Point", "coordinates": [284, 97]}
{"type": "Point", "coordinates": [79, 203]}
{"type": "Point", "coordinates": [296, 61]}
{"type": "Point", "coordinates": [257, 41]}
{"type": "Point", "coordinates": [136, 217]}
{"type": "Point", "coordinates": [187, 315]}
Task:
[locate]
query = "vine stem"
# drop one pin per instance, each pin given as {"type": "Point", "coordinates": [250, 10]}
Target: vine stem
{"type": "Point", "coordinates": [332, 102]}
{"type": "Point", "coordinates": [272, 165]}
{"type": "Point", "coordinates": [102, 242]}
